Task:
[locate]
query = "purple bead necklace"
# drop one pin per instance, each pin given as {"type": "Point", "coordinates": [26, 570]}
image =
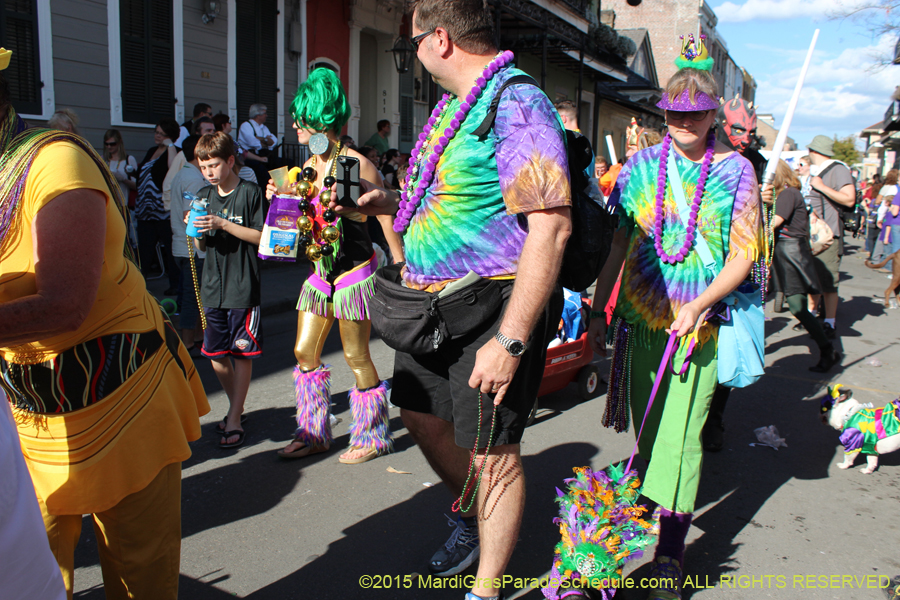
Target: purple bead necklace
{"type": "Point", "coordinates": [691, 225]}
{"type": "Point", "coordinates": [422, 167]}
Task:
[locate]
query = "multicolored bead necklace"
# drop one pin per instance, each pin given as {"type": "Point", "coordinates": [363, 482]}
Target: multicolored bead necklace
{"type": "Point", "coordinates": [691, 225]}
{"type": "Point", "coordinates": [319, 226]}
{"type": "Point", "coordinates": [422, 166]}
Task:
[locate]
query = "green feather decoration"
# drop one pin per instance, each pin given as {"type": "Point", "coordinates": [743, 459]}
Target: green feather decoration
{"type": "Point", "coordinates": [702, 65]}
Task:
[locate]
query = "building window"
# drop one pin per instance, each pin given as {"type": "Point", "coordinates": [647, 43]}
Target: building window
{"type": "Point", "coordinates": [256, 60]}
{"type": "Point", "coordinates": [147, 60]}
{"type": "Point", "coordinates": [19, 33]}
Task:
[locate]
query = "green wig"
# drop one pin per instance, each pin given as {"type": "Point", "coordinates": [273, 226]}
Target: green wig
{"type": "Point", "coordinates": [321, 102]}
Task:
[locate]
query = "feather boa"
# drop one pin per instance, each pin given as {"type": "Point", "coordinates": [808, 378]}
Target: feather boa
{"type": "Point", "coordinates": [601, 529]}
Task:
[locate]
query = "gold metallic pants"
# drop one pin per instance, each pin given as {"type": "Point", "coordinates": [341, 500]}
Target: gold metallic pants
{"type": "Point", "coordinates": [311, 333]}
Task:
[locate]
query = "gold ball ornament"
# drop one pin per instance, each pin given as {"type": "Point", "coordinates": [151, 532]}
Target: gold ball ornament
{"type": "Point", "coordinates": [304, 223]}
{"type": "Point", "coordinates": [331, 234]}
{"type": "Point", "coordinates": [314, 252]}
{"type": "Point", "coordinates": [325, 197]}
{"type": "Point", "coordinates": [303, 188]}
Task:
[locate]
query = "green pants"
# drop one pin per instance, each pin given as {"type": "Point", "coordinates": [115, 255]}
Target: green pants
{"type": "Point", "coordinates": [672, 434]}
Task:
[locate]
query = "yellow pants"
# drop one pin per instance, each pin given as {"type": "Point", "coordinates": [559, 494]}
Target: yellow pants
{"type": "Point", "coordinates": [139, 540]}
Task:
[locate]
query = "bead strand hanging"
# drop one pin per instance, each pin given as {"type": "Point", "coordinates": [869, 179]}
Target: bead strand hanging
{"type": "Point", "coordinates": [422, 166]}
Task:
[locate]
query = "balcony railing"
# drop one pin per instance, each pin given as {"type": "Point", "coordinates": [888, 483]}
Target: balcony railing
{"type": "Point", "coordinates": [580, 7]}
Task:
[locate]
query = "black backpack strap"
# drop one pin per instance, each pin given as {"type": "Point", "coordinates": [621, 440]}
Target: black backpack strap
{"type": "Point", "coordinates": [491, 115]}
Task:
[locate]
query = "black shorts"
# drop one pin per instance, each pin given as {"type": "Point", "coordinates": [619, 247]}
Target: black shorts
{"type": "Point", "coordinates": [438, 383]}
{"type": "Point", "coordinates": [232, 332]}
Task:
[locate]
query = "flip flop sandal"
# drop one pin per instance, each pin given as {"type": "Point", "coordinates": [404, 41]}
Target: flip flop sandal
{"type": "Point", "coordinates": [301, 452]}
{"type": "Point", "coordinates": [220, 427]}
{"type": "Point", "coordinates": [372, 453]}
{"type": "Point", "coordinates": [235, 444]}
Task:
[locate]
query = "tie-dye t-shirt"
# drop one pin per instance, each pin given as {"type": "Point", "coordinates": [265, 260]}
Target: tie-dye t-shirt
{"type": "Point", "coordinates": [472, 215]}
{"type": "Point", "coordinates": [652, 292]}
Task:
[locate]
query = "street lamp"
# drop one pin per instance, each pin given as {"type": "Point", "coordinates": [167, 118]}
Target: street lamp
{"type": "Point", "coordinates": [211, 9]}
{"type": "Point", "coordinates": [403, 51]}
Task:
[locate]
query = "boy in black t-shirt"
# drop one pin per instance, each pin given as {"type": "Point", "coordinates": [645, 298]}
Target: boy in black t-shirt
{"type": "Point", "coordinates": [231, 279]}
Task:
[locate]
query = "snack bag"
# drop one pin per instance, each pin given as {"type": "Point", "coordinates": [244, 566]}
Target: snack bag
{"type": "Point", "coordinates": [280, 233]}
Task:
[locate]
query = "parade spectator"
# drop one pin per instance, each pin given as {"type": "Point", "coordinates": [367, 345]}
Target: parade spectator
{"type": "Point", "coordinates": [390, 163]}
{"type": "Point", "coordinates": [104, 396]}
{"type": "Point", "coordinates": [201, 110]}
{"type": "Point", "coordinates": [601, 166]}
{"type": "Point", "coordinates": [256, 140]}
{"type": "Point", "coordinates": [231, 277]}
{"type": "Point", "coordinates": [348, 142]}
{"type": "Point", "coordinates": [188, 180]}
{"type": "Point", "coordinates": [199, 128]}
{"type": "Point", "coordinates": [793, 269]}
{"type": "Point", "coordinates": [663, 290]}
{"type": "Point", "coordinates": [122, 165]}
{"type": "Point", "coordinates": [871, 206]}
{"type": "Point", "coordinates": [831, 188]}
{"type": "Point", "coordinates": [568, 112]}
{"type": "Point", "coordinates": [152, 214]}
{"type": "Point", "coordinates": [222, 122]}
{"type": "Point", "coordinates": [888, 206]}
{"type": "Point", "coordinates": [520, 173]}
{"type": "Point", "coordinates": [803, 173]}
{"type": "Point", "coordinates": [379, 139]}
{"type": "Point", "coordinates": [371, 154]}
{"type": "Point", "coordinates": [608, 179]}
{"type": "Point", "coordinates": [339, 289]}
{"type": "Point", "coordinates": [402, 174]}
{"type": "Point", "coordinates": [65, 119]}
{"type": "Point", "coordinates": [124, 168]}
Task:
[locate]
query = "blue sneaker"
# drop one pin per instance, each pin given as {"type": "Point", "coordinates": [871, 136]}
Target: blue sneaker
{"type": "Point", "coordinates": [669, 576]}
{"type": "Point", "coordinates": [459, 552]}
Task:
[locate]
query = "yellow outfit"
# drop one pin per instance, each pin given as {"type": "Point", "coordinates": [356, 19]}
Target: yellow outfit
{"type": "Point", "coordinates": [90, 459]}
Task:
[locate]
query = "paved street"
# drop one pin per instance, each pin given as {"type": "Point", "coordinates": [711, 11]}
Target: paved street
{"type": "Point", "coordinates": [261, 528]}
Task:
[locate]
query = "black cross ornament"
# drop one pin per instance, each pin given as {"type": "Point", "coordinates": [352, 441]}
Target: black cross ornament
{"type": "Point", "coordinates": [348, 183]}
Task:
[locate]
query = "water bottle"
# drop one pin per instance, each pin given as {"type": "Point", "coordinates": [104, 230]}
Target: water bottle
{"type": "Point", "coordinates": [198, 209]}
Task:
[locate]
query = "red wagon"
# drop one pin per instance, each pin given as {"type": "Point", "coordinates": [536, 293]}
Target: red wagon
{"type": "Point", "coordinates": [566, 363]}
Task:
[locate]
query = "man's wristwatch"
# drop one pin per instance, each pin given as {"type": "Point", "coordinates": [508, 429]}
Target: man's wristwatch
{"type": "Point", "coordinates": [515, 348]}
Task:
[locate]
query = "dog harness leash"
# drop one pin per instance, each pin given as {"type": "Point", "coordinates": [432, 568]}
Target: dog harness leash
{"type": "Point", "coordinates": [667, 357]}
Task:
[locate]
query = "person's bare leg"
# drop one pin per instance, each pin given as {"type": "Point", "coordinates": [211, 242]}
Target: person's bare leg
{"type": "Point", "coordinates": [435, 437]}
{"type": "Point", "coordinates": [187, 337]}
{"type": "Point", "coordinates": [225, 373]}
{"type": "Point", "coordinates": [243, 369]}
{"type": "Point", "coordinates": [501, 502]}
{"type": "Point", "coordinates": [813, 303]}
{"type": "Point", "coordinates": [831, 305]}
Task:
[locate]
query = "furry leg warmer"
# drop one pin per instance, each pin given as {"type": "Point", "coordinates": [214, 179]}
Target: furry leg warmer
{"type": "Point", "coordinates": [371, 427]}
{"type": "Point", "coordinates": [313, 390]}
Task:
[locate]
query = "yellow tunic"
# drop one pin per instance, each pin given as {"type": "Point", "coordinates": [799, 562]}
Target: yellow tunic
{"type": "Point", "coordinates": [87, 460]}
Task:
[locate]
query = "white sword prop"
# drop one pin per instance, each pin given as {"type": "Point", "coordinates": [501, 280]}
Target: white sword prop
{"type": "Point", "coordinates": [612, 150]}
{"type": "Point", "coordinates": [769, 173]}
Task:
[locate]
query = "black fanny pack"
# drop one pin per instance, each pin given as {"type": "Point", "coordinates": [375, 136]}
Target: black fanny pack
{"type": "Point", "coordinates": [418, 322]}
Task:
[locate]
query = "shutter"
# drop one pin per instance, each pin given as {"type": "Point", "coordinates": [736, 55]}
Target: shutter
{"type": "Point", "coordinates": [148, 83]}
{"type": "Point", "coordinates": [257, 61]}
{"type": "Point", "coordinates": [407, 91]}
{"type": "Point", "coordinates": [19, 33]}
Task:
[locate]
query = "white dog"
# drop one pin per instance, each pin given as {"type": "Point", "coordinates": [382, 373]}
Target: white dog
{"type": "Point", "coordinates": [863, 428]}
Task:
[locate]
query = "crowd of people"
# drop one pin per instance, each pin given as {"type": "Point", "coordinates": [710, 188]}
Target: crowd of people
{"type": "Point", "coordinates": [104, 393]}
